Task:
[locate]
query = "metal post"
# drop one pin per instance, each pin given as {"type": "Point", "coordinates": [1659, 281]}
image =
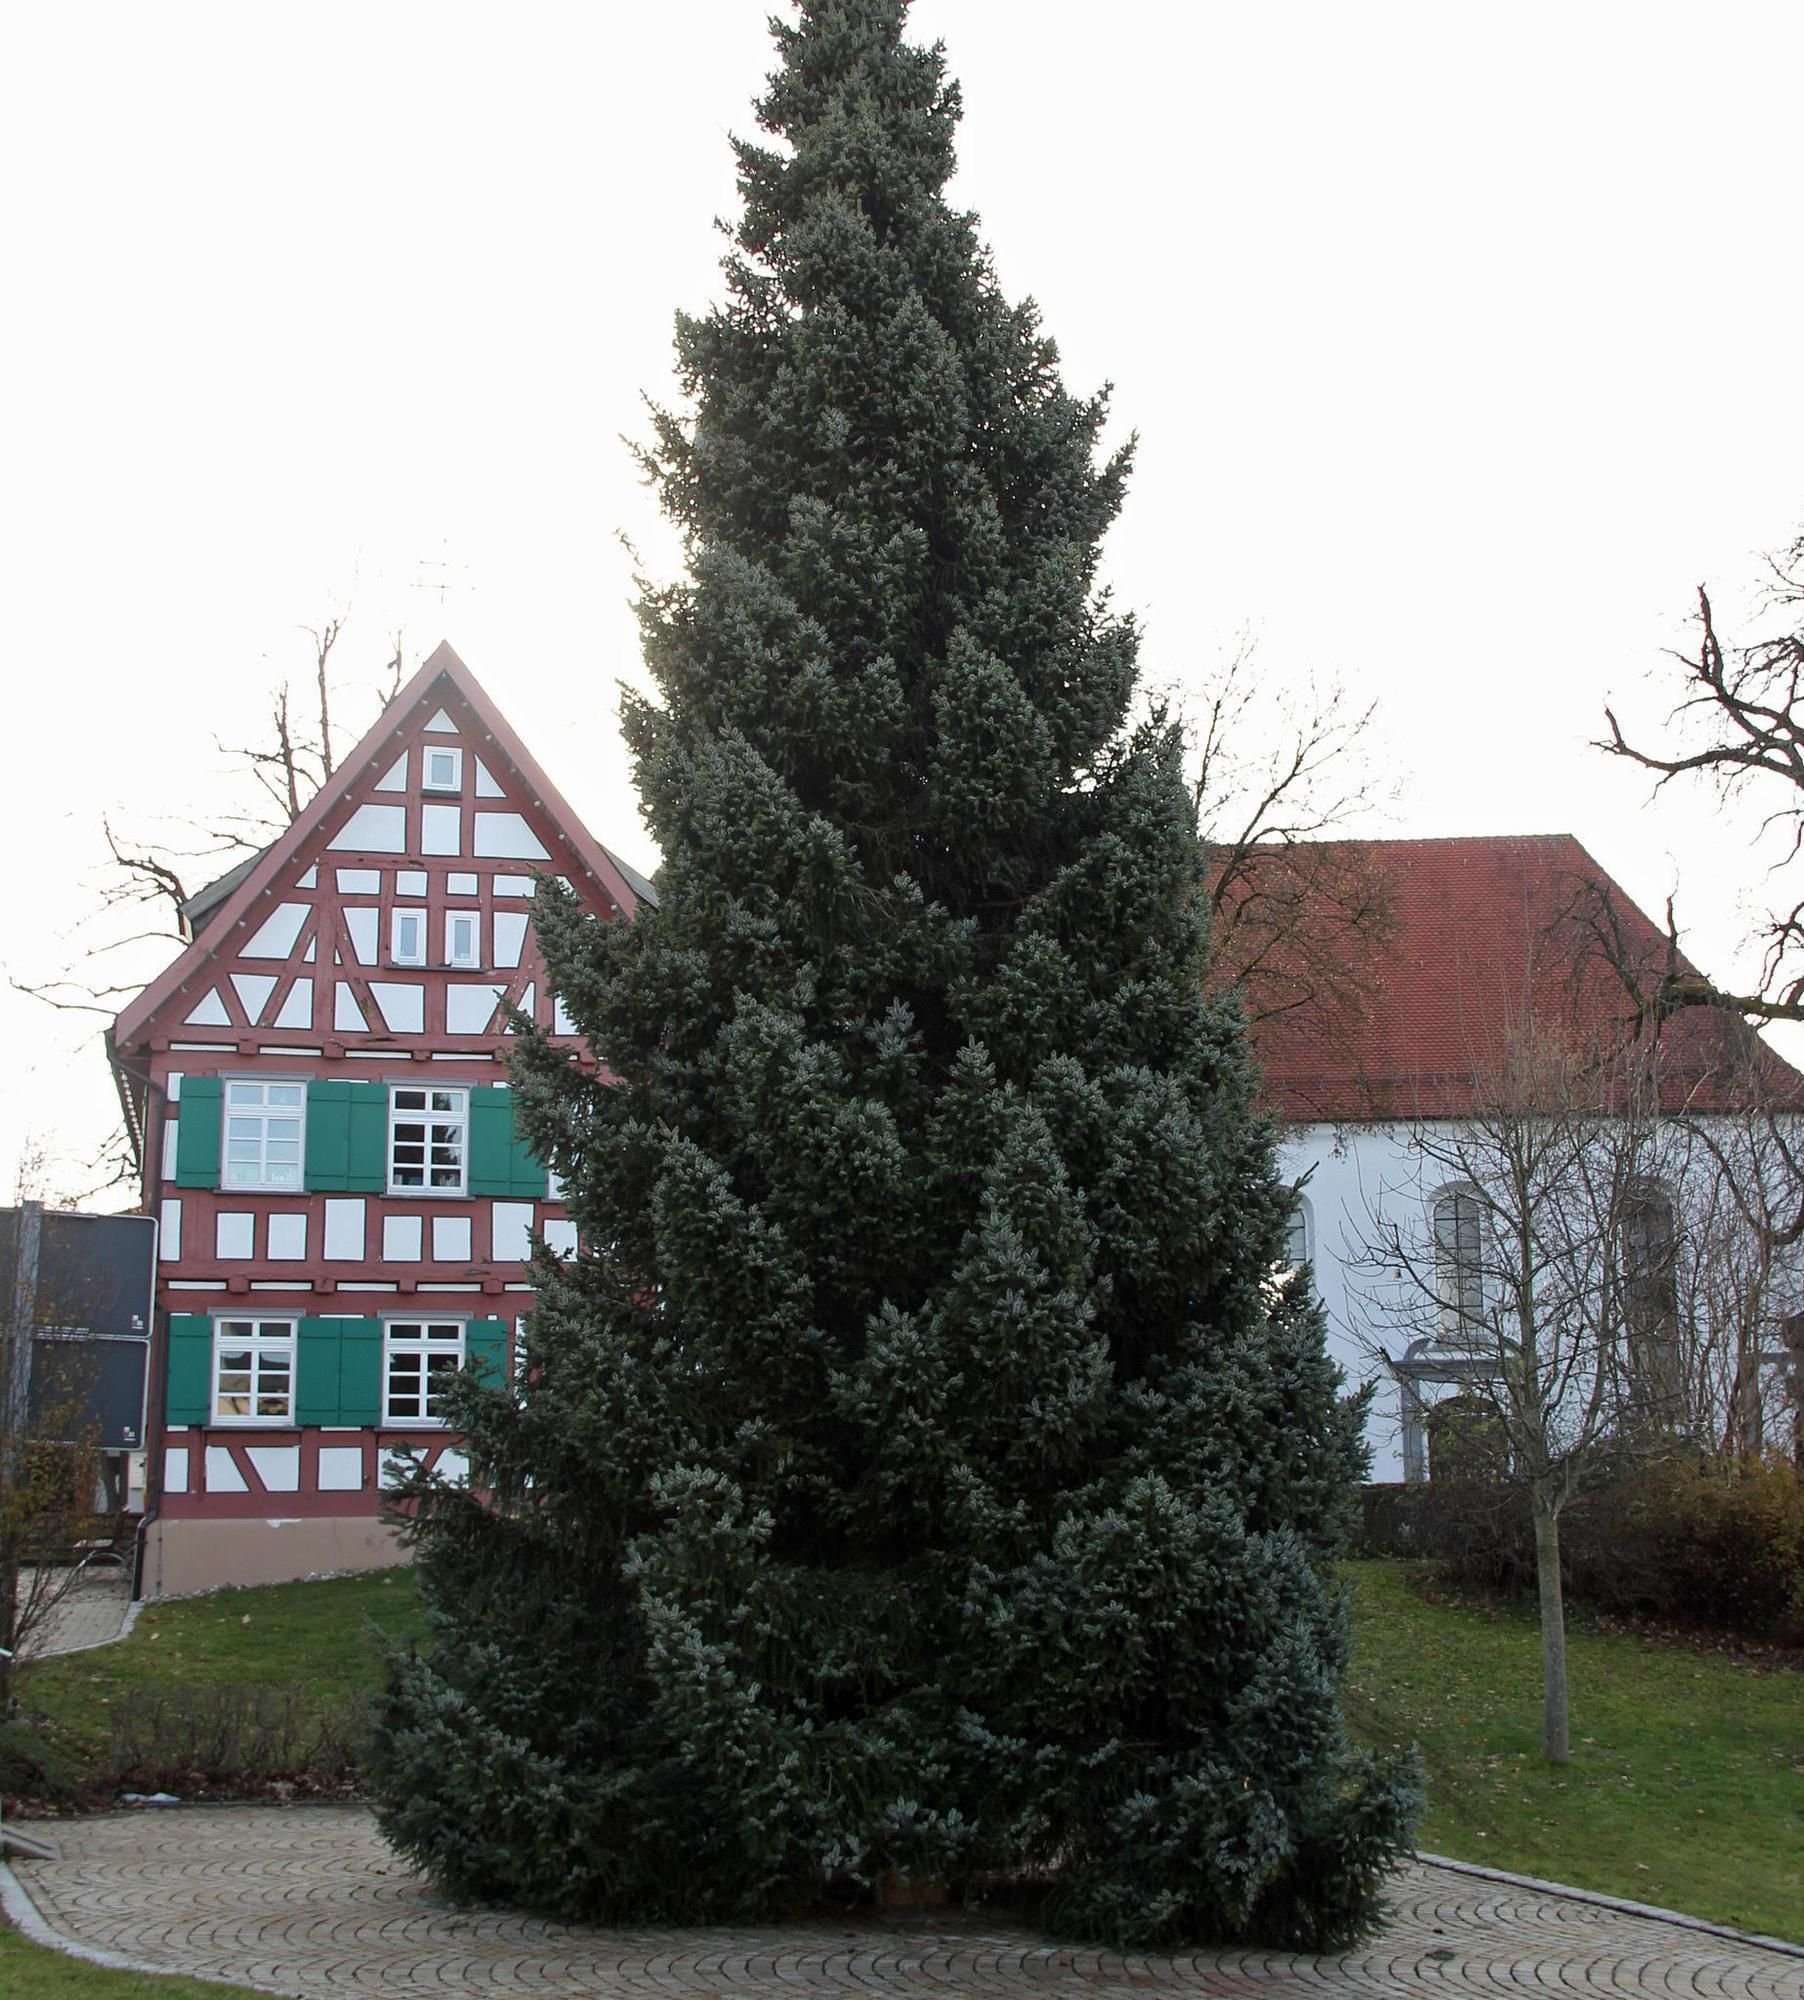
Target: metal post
{"type": "Point", "coordinates": [20, 1321]}
{"type": "Point", "coordinates": [15, 1408]}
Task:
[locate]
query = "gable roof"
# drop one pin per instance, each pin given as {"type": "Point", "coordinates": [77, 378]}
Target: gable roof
{"type": "Point", "coordinates": [1477, 933]}
{"type": "Point", "coordinates": [220, 905]}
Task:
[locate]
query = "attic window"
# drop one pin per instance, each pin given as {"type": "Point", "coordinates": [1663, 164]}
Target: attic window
{"type": "Point", "coordinates": [442, 769]}
{"type": "Point", "coordinates": [408, 937]}
{"type": "Point", "coordinates": [463, 938]}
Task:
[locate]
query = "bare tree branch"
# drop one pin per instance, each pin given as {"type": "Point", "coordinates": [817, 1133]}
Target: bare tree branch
{"type": "Point", "coordinates": [324, 639]}
{"type": "Point", "coordinates": [1298, 918]}
{"type": "Point", "coordinates": [1742, 703]}
{"type": "Point", "coordinates": [271, 783]}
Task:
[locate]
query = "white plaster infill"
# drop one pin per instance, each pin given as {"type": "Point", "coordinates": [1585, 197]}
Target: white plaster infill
{"type": "Point", "coordinates": [1651, 1911]}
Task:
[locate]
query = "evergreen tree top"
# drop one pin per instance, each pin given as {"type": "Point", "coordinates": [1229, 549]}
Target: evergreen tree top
{"type": "Point", "coordinates": [893, 507]}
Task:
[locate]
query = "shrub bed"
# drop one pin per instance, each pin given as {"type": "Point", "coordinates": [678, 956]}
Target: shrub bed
{"type": "Point", "coordinates": [1690, 1540]}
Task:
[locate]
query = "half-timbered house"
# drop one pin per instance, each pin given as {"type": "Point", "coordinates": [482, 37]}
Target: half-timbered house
{"type": "Point", "coordinates": [319, 1091]}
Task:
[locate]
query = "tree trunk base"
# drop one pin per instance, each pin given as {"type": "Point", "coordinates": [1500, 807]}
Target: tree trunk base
{"type": "Point", "coordinates": [896, 1891]}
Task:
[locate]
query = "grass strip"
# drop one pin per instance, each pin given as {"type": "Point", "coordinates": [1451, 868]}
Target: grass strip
{"type": "Point", "coordinates": [1686, 1786]}
{"type": "Point", "coordinates": [325, 1637]}
{"type": "Point", "coordinates": [33, 1972]}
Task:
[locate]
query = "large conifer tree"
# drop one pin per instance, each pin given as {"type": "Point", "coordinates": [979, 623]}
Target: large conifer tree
{"type": "Point", "coordinates": [921, 1470]}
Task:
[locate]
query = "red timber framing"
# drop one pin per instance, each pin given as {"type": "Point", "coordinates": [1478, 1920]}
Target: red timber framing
{"type": "Point", "coordinates": [319, 1089]}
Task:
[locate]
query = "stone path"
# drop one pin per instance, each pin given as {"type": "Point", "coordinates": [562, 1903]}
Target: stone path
{"type": "Point", "coordinates": [91, 1611]}
{"type": "Point", "coordinates": [308, 1901]}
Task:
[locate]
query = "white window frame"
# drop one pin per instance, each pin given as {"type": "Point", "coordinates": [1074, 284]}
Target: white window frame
{"type": "Point", "coordinates": [1299, 1228]}
{"type": "Point", "coordinates": [429, 753]}
{"type": "Point", "coordinates": [397, 921]}
{"type": "Point", "coordinates": [1462, 1318]}
{"type": "Point", "coordinates": [231, 1174]}
{"type": "Point", "coordinates": [261, 1338]}
{"type": "Point", "coordinates": [470, 961]}
{"type": "Point", "coordinates": [404, 1339]}
{"type": "Point", "coordinates": [454, 1113]}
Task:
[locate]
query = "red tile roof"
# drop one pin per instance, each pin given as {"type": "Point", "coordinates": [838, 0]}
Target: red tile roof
{"type": "Point", "coordinates": [1479, 934]}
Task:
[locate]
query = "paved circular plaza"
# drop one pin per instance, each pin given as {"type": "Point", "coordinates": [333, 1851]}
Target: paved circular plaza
{"type": "Point", "coordinates": [308, 1901]}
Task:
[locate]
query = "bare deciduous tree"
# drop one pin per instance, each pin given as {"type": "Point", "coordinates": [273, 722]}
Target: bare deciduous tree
{"type": "Point", "coordinates": [1299, 916]}
{"type": "Point", "coordinates": [1533, 1248]}
{"type": "Point", "coordinates": [1738, 1267]}
{"type": "Point", "coordinates": [141, 900]}
{"type": "Point", "coordinates": [1739, 725]}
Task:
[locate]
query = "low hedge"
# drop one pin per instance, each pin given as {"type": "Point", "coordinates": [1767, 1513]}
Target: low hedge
{"type": "Point", "coordinates": [1689, 1539]}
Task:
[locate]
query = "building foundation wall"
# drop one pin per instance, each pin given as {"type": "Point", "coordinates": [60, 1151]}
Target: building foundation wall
{"type": "Point", "coordinates": [184, 1557]}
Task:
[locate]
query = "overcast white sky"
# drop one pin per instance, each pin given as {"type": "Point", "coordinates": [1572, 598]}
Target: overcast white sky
{"type": "Point", "coordinates": [1462, 343]}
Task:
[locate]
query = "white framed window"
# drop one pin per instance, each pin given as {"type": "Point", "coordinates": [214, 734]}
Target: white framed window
{"type": "Point", "coordinates": [1460, 1239]}
{"type": "Point", "coordinates": [1296, 1236]}
{"type": "Point", "coordinates": [419, 1358]}
{"type": "Point", "coordinates": [1648, 1252]}
{"type": "Point", "coordinates": [265, 1133]}
{"type": "Point", "coordinates": [253, 1371]}
{"type": "Point", "coordinates": [428, 1140]}
{"type": "Point", "coordinates": [463, 939]}
{"type": "Point", "coordinates": [407, 937]}
{"type": "Point", "coordinates": [441, 769]}
{"type": "Point", "coordinates": [1649, 1247]}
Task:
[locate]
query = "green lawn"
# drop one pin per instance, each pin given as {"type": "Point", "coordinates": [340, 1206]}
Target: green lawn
{"type": "Point", "coordinates": [29, 1972]}
{"type": "Point", "coordinates": [1686, 1786]}
{"type": "Point", "coordinates": [324, 1638]}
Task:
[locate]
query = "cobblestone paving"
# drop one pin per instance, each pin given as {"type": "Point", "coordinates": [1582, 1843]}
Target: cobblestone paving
{"type": "Point", "coordinates": [90, 1612]}
{"type": "Point", "coordinates": [308, 1901]}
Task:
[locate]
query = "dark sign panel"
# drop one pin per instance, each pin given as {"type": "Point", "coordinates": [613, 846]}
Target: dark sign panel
{"type": "Point", "coordinates": [95, 1273]}
{"type": "Point", "coordinates": [82, 1285]}
{"type": "Point", "coordinates": [88, 1384]}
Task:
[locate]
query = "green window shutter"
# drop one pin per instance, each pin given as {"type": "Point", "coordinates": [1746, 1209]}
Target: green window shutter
{"type": "Point", "coordinates": [367, 1150]}
{"type": "Point", "coordinates": [347, 1138]}
{"type": "Point", "coordinates": [190, 1394]}
{"type": "Point", "coordinates": [328, 1137]}
{"type": "Point", "coordinates": [197, 1133]}
{"type": "Point", "coordinates": [501, 1162]}
{"type": "Point", "coordinates": [316, 1396]}
{"type": "Point", "coordinates": [529, 1176]}
{"type": "Point", "coordinates": [485, 1350]}
{"type": "Point", "coordinates": [491, 1141]}
{"type": "Point", "coordinates": [360, 1371]}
